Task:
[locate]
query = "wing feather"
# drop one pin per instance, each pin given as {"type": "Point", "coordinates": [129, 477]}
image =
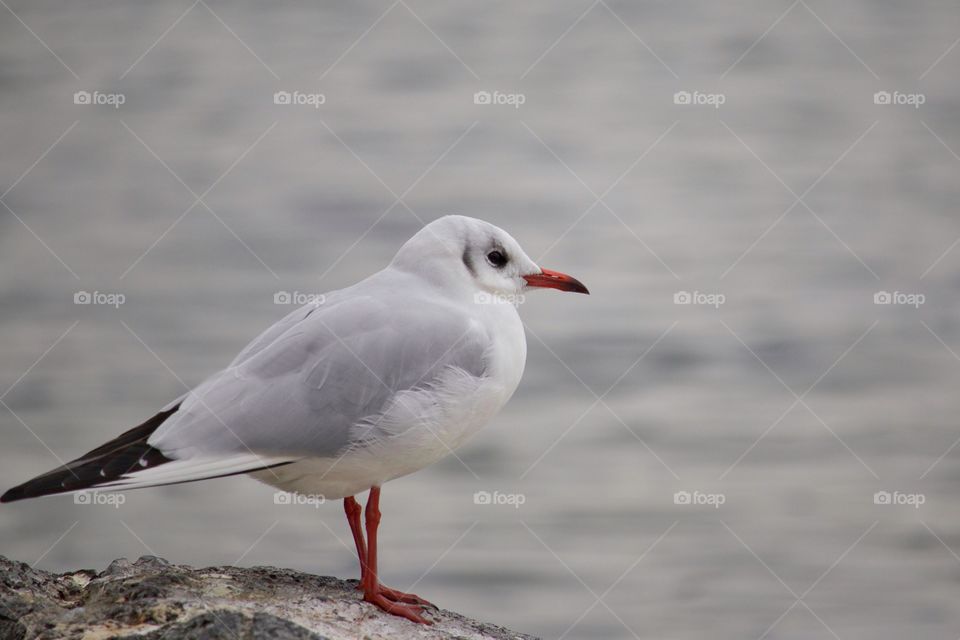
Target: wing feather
{"type": "Point", "coordinates": [299, 391]}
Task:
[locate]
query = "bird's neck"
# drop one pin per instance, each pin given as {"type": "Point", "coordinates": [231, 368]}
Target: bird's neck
{"type": "Point", "coordinates": [453, 285]}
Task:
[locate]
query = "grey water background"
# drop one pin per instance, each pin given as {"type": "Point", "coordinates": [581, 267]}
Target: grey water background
{"type": "Point", "coordinates": [796, 400]}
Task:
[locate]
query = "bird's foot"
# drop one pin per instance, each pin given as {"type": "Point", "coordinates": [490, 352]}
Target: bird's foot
{"type": "Point", "coordinates": [400, 596]}
{"type": "Point", "coordinates": [409, 611]}
{"type": "Point", "coordinates": [408, 598]}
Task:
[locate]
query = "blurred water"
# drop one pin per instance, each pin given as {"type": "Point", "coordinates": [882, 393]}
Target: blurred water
{"type": "Point", "coordinates": [303, 199]}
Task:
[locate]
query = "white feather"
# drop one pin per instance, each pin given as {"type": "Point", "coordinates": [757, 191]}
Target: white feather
{"type": "Point", "coordinates": [192, 469]}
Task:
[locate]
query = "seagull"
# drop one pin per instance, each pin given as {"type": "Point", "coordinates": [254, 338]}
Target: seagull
{"type": "Point", "coordinates": [358, 387]}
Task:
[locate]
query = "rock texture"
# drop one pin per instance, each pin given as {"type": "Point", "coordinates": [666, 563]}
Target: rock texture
{"type": "Point", "coordinates": [151, 599]}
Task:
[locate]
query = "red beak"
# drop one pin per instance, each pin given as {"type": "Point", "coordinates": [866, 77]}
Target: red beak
{"type": "Point", "coordinates": [555, 280]}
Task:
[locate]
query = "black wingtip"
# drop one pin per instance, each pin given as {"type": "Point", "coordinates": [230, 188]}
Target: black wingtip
{"type": "Point", "coordinates": [21, 492]}
{"type": "Point", "coordinates": [103, 464]}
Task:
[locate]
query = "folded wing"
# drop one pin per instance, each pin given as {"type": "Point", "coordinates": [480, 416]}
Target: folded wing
{"type": "Point", "coordinates": [294, 392]}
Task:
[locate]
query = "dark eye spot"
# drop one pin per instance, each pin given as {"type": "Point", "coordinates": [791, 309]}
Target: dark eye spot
{"type": "Point", "coordinates": [497, 259]}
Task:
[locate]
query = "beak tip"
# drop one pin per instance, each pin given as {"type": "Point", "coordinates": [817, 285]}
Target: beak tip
{"type": "Point", "coordinates": [575, 286]}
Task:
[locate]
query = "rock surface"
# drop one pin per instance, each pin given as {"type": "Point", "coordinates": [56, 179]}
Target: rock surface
{"type": "Point", "coordinates": [151, 599]}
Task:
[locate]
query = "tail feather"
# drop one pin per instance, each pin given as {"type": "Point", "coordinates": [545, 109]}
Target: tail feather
{"type": "Point", "coordinates": [107, 463]}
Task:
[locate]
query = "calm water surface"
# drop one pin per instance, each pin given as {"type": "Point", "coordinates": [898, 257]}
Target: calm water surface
{"type": "Point", "coordinates": [798, 199]}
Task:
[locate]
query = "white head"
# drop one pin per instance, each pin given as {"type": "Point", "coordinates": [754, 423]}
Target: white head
{"type": "Point", "coordinates": [457, 251]}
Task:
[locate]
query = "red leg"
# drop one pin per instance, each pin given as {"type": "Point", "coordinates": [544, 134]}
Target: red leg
{"type": "Point", "coordinates": [353, 510]}
{"type": "Point", "coordinates": [373, 592]}
{"type": "Point", "coordinates": [387, 592]}
{"type": "Point", "coordinates": [373, 523]}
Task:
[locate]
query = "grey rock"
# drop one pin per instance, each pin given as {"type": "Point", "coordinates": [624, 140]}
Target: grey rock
{"type": "Point", "coordinates": [151, 599]}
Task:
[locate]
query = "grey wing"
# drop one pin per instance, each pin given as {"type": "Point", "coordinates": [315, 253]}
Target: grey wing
{"type": "Point", "coordinates": [256, 345]}
{"type": "Point", "coordinates": [329, 368]}
{"type": "Point", "coordinates": [276, 330]}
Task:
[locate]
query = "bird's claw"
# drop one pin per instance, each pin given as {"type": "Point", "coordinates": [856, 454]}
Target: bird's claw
{"type": "Point", "coordinates": [409, 611]}
{"type": "Point", "coordinates": [395, 595]}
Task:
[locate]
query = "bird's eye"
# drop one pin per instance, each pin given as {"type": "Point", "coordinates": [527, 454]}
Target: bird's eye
{"type": "Point", "coordinates": [497, 259]}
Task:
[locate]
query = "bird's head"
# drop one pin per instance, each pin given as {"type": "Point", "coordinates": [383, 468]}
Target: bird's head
{"type": "Point", "coordinates": [457, 251]}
